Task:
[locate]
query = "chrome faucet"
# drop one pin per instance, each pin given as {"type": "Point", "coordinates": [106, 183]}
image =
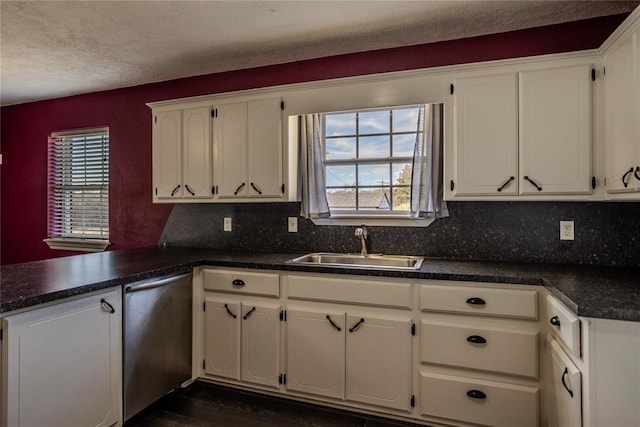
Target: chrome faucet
{"type": "Point", "coordinates": [361, 233]}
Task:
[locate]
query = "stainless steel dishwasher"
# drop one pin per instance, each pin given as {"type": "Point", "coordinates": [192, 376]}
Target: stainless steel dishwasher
{"type": "Point", "coordinates": [157, 340]}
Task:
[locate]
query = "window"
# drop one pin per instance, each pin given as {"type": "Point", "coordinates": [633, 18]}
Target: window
{"type": "Point", "coordinates": [368, 160]}
{"type": "Point", "coordinates": [79, 190]}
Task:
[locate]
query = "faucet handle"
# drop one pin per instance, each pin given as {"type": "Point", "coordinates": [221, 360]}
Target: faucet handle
{"type": "Point", "coordinates": [361, 231]}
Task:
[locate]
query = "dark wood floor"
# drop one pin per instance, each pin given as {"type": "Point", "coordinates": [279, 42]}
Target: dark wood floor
{"type": "Point", "coordinates": [203, 404]}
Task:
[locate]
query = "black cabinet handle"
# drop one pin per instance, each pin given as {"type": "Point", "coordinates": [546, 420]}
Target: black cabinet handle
{"type": "Point", "coordinates": [476, 339]}
{"type": "Point", "coordinates": [238, 282]}
{"type": "Point", "coordinates": [476, 394]}
{"type": "Point", "coordinates": [333, 324]}
{"type": "Point", "coordinates": [357, 325]}
{"type": "Point", "coordinates": [189, 190]}
{"type": "Point", "coordinates": [235, 193]}
{"type": "Point", "coordinates": [526, 178]}
{"type": "Point", "coordinates": [476, 301]}
{"type": "Point", "coordinates": [566, 373]}
{"type": "Point", "coordinates": [226, 307]}
{"type": "Point", "coordinates": [636, 173]}
{"type": "Point", "coordinates": [249, 313]}
{"type": "Point", "coordinates": [625, 177]}
{"type": "Point", "coordinates": [256, 188]}
{"type": "Point", "coordinates": [105, 304]}
{"type": "Point", "coordinates": [506, 183]}
{"type": "Point", "coordinates": [555, 321]}
{"type": "Point", "coordinates": [175, 190]}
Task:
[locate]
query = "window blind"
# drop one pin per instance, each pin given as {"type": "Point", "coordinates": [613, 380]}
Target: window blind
{"type": "Point", "coordinates": [79, 184]}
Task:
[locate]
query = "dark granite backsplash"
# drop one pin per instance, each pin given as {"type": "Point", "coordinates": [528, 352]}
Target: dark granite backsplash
{"type": "Point", "coordinates": [605, 233]}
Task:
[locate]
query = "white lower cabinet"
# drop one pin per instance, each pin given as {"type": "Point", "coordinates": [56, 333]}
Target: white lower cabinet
{"type": "Point", "coordinates": [564, 398]}
{"type": "Point", "coordinates": [242, 340]}
{"type": "Point", "coordinates": [64, 363]}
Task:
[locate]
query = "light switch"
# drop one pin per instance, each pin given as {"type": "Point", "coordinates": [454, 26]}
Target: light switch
{"type": "Point", "coordinates": [292, 224]}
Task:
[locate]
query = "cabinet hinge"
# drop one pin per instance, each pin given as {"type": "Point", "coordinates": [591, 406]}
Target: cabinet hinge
{"type": "Point", "coordinates": [214, 113]}
{"type": "Point", "coordinates": [156, 119]}
{"type": "Point", "coordinates": [282, 105]}
{"type": "Point", "coordinates": [413, 401]}
{"type": "Point", "coordinates": [282, 379]}
{"type": "Point", "coordinates": [413, 329]}
{"type": "Point", "coordinates": [213, 190]}
{"type": "Point", "coordinates": [593, 182]}
{"type": "Point", "coordinates": [283, 316]}
{"type": "Point", "coordinates": [604, 71]}
{"type": "Point", "coordinates": [204, 306]}
{"type": "Point", "coordinates": [452, 185]}
{"type": "Point", "coordinates": [451, 88]}
{"type": "Point", "coordinates": [156, 191]}
{"type": "Point", "coordinates": [283, 188]}
{"type": "Point", "coordinates": [593, 74]}
{"type": "Point", "coordinates": [1, 334]}
{"type": "Point", "coordinates": [204, 364]}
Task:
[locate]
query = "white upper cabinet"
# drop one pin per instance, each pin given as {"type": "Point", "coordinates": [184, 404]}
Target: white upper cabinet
{"type": "Point", "coordinates": [248, 149]}
{"type": "Point", "coordinates": [520, 135]}
{"type": "Point", "coordinates": [622, 110]}
{"type": "Point", "coordinates": [182, 154]}
{"type": "Point", "coordinates": [485, 157]}
{"type": "Point", "coordinates": [555, 131]}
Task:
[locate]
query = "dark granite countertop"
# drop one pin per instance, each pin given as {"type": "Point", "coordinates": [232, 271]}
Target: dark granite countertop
{"type": "Point", "coordinates": [590, 291]}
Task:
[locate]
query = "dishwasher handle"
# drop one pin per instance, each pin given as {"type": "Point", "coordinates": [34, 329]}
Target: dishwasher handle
{"type": "Point", "coordinates": [156, 284]}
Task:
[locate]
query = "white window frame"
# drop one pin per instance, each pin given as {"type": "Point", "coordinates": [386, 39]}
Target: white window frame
{"type": "Point", "coordinates": [60, 234]}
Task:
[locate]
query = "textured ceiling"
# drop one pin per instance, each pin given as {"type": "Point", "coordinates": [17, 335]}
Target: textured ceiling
{"type": "Point", "coordinates": [50, 49]}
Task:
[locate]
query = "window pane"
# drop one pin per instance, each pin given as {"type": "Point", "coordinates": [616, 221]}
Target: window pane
{"type": "Point", "coordinates": [341, 176]}
{"type": "Point", "coordinates": [374, 122]}
{"type": "Point", "coordinates": [340, 124]}
{"type": "Point", "coordinates": [340, 148]}
{"type": "Point", "coordinates": [405, 119]}
{"type": "Point", "coordinates": [401, 198]}
{"type": "Point", "coordinates": [402, 173]}
{"type": "Point", "coordinates": [376, 174]}
{"type": "Point", "coordinates": [374, 146]}
{"type": "Point", "coordinates": [403, 145]}
{"type": "Point", "coordinates": [374, 198]}
{"type": "Point", "coordinates": [341, 198]}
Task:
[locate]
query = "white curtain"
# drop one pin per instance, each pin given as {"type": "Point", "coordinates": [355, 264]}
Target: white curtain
{"type": "Point", "coordinates": [426, 180]}
{"type": "Point", "coordinates": [311, 178]}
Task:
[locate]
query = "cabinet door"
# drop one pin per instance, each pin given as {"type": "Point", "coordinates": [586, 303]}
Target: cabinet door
{"type": "Point", "coordinates": [261, 343]}
{"type": "Point", "coordinates": [379, 361]}
{"type": "Point", "coordinates": [167, 155]}
{"type": "Point", "coordinates": [565, 391]}
{"type": "Point", "coordinates": [555, 131]}
{"type": "Point", "coordinates": [230, 150]}
{"type": "Point", "coordinates": [222, 337]}
{"type": "Point", "coordinates": [621, 116]}
{"type": "Point", "coordinates": [196, 148]}
{"type": "Point", "coordinates": [485, 136]}
{"type": "Point", "coordinates": [64, 364]}
{"type": "Point", "coordinates": [315, 352]}
{"type": "Point", "coordinates": [265, 148]}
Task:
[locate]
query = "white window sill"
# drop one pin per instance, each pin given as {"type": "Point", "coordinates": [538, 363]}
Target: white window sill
{"type": "Point", "coordinates": [84, 245]}
{"type": "Point", "coordinates": [374, 220]}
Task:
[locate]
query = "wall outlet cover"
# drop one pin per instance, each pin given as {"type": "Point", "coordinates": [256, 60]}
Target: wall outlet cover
{"type": "Point", "coordinates": [227, 224]}
{"type": "Point", "coordinates": [566, 230]}
{"type": "Point", "coordinates": [292, 224]}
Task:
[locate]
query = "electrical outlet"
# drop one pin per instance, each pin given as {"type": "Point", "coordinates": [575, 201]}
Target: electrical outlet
{"type": "Point", "coordinates": [227, 224]}
{"type": "Point", "coordinates": [292, 223]}
{"type": "Point", "coordinates": [566, 230]}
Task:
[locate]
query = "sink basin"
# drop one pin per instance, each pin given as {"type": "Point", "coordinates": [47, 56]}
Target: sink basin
{"type": "Point", "coordinates": [379, 261]}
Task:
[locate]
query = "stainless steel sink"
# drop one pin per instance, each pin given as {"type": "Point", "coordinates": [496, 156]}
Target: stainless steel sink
{"type": "Point", "coordinates": [379, 261]}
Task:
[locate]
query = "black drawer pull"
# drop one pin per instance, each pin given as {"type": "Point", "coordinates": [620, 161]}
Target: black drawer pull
{"type": "Point", "coordinates": [238, 282]}
{"type": "Point", "coordinates": [476, 339]}
{"type": "Point", "coordinates": [636, 173]}
{"type": "Point", "coordinates": [256, 189]}
{"type": "Point", "coordinates": [105, 304]}
{"type": "Point", "coordinates": [625, 178]}
{"type": "Point", "coordinates": [533, 183]}
{"type": "Point", "coordinates": [476, 394]}
{"type": "Point", "coordinates": [555, 321]}
{"type": "Point", "coordinates": [566, 372]}
{"type": "Point", "coordinates": [357, 325]}
{"type": "Point", "coordinates": [249, 313]}
{"type": "Point", "coordinates": [226, 307]}
{"type": "Point", "coordinates": [476, 301]}
{"type": "Point", "coordinates": [189, 190]}
{"type": "Point", "coordinates": [333, 324]}
{"type": "Point", "coordinates": [175, 190]}
{"type": "Point", "coordinates": [235, 193]}
{"type": "Point", "coordinates": [506, 184]}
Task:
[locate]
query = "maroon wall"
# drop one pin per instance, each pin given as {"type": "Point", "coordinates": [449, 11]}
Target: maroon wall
{"type": "Point", "coordinates": [134, 220]}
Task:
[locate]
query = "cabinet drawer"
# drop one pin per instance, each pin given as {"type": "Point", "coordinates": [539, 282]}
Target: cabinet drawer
{"type": "Point", "coordinates": [242, 282]}
{"type": "Point", "coordinates": [564, 324]}
{"type": "Point", "coordinates": [495, 404]}
{"type": "Point", "coordinates": [322, 288]}
{"type": "Point", "coordinates": [501, 350]}
{"type": "Point", "coordinates": [477, 300]}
